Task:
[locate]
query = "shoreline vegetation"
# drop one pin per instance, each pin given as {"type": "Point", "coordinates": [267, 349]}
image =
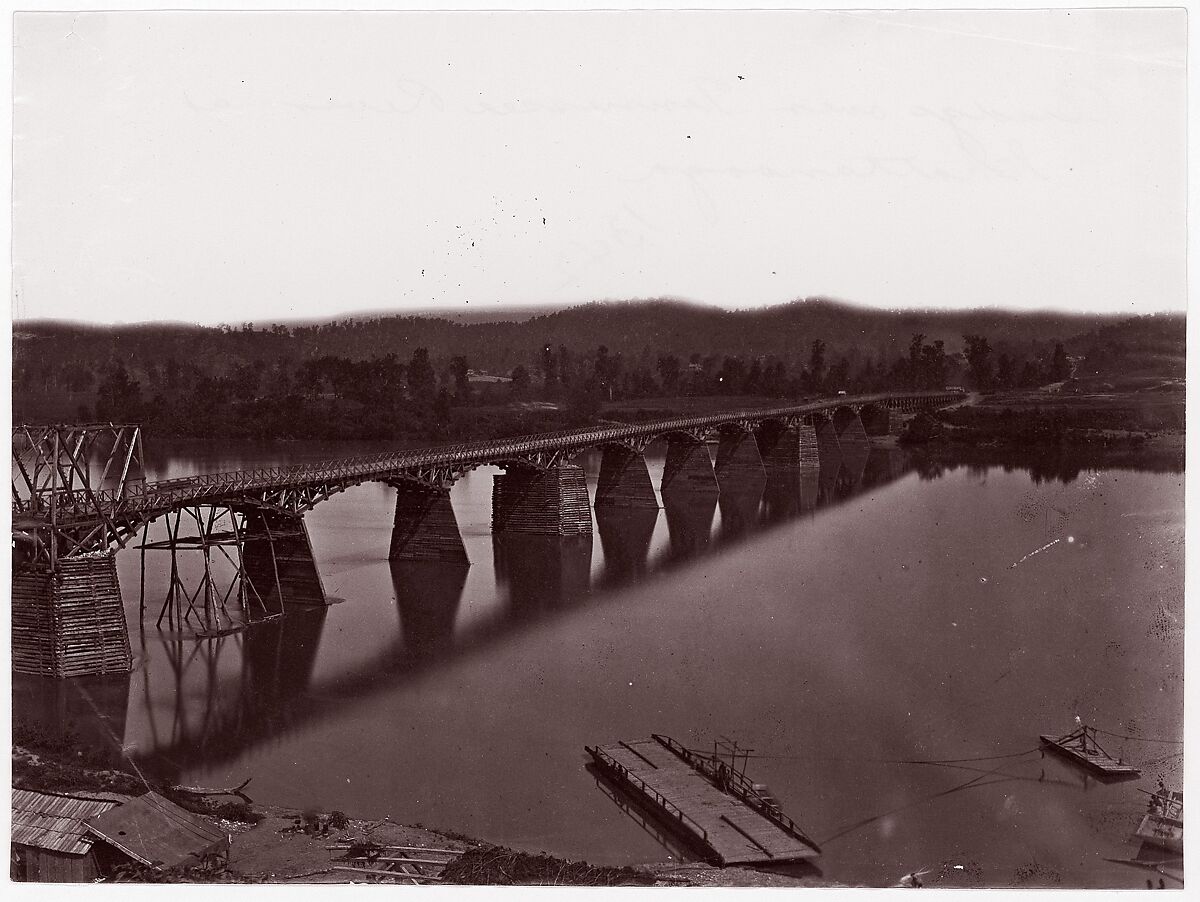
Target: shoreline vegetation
{"type": "Point", "coordinates": [426, 379]}
{"type": "Point", "coordinates": [1056, 434]}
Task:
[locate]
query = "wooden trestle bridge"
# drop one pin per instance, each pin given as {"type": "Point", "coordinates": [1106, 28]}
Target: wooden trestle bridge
{"type": "Point", "coordinates": [79, 495]}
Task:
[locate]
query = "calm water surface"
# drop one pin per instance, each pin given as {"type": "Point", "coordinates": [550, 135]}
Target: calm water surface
{"type": "Point", "coordinates": [837, 626]}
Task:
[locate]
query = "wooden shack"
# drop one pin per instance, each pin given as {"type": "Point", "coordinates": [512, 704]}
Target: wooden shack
{"type": "Point", "coordinates": [50, 841]}
{"type": "Point", "coordinates": [159, 834]}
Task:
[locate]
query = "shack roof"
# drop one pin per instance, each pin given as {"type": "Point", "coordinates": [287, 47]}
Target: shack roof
{"type": "Point", "coordinates": [55, 822]}
{"type": "Point", "coordinates": [158, 832]}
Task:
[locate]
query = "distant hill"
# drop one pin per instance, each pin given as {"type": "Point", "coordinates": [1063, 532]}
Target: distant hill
{"type": "Point", "coordinates": [400, 376]}
{"type": "Point", "coordinates": [637, 330]}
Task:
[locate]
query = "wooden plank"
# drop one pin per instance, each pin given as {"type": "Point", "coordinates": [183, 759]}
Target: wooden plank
{"type": "Point", "coordinates": [338, 847]}
{"type": "Point", "coordinates": [1092, 758]}
{"type": "Point", "coordinates": [735, 832]}
{"type": "Point", "coordinates": [391, 875]}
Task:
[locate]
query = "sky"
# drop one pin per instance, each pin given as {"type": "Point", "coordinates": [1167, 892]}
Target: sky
{"type": "Point", "coordinates": [225, 167]}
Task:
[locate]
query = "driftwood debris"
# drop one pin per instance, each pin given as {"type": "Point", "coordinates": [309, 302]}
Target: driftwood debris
{"type": "Point", "coordinates": [231, 791]}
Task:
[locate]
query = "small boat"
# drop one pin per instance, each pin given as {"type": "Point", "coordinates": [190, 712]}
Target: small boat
{"type": "Point", "coordinates": [1081, 747]}
{"type": "Point", "coordinates": [1162, 825]}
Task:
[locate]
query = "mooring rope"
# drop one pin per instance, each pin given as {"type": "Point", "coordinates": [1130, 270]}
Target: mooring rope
{"type": "Point", "coordinates": [973, 782]}
{"type": "Point", "coordinates": [1138, 738]}
{"type": "Point", "coordinates": [946, 761]}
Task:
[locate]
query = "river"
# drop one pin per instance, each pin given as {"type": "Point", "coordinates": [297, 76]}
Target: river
{"type": "Point", "coordinates": [838, 627]}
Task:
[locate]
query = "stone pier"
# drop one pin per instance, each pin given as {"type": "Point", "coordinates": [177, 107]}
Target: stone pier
{"type": "Point", "coordinates": [787, 449]}
{"type": "Point", "coordinates": [624, 480]}
{"type": "Point", "coordinates": [553, 501]}
{"type": "Point", "coordinates": [425, 528]}
{"type": "Point", "coordinates": [278, 560]}
{"type": "Point", "coordinates": [70, 622]}
{"type": "Point", "coordinates": [828, 447]}
{"type": "Point", "coordinates": [738, 460]}
{"type": "Point", "coordinates": [852, 437]}
{"type": "Point", "coordinates": [879, 420]}
{"type": "Point", "coordinates": [688, 469]}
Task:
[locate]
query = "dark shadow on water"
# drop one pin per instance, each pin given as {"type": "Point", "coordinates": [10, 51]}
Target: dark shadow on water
{"type": "Point", "coordinates": [278, 656]}
{"type": "Point", "coordinates": [625, 537]}
{"type": "Point", "coordinates": [827, 483]}
{"type": "Point", "coordinates": [224, 696]}
{"type": "Point", "coordinates": [788, 497]}
{"type": "Point", "coordinates": [89, 712]}
{"type": "Point", "coordinates": [428, 594]}
{"type": "Point", "coordinates": [854, 465]}
{"type": "Point", "coordinates": [1042, 463]}
{"type": "Point", "coordinates": [542, 573]}
{"type": "Point", "coordinates": [231, 691]}
{"type": "Point", "coordinates": [797, 869]}
{"type": "Point", "coordinates": [689, 526]}
{"type": "Point", "coordinates": [739, 512]}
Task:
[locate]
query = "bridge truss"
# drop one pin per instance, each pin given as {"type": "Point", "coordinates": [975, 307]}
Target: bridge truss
{"type": "Point", "coordinates": [67, 482]}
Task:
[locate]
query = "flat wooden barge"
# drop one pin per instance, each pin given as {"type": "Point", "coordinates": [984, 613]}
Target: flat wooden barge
{"type": "Point", "coordinates": [704, 800]}
{"type": "Point", "coordinates": [1080, 746]}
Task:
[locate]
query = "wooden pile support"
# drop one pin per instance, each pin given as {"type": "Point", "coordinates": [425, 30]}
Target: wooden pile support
{"type": "Point", "coordinates": [551, 501]}
{"type": "Point", "coordinates": [207, 606]}
{"type": "Point", "coordinates": [425, 528]}
{"type": "Point", "coordinates": [688, 469]}
{"type": "Point", "coordinates": [624, 480]}
{"type": "Point", "coordinates": [70, 622]}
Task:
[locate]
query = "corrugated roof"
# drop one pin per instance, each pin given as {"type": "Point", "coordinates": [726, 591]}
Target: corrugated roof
{"type": "Point", "coordinates": [54, 822]}
{"type": "Point", "coordinates": [158, 832]}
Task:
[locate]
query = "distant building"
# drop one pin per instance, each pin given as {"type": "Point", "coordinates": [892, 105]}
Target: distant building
{"type": "Point", "coordinates": [475, 377]}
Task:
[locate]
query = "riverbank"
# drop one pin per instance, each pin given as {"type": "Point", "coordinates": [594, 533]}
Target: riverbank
{"type": "Point", "coordinates": [274, 844]}
{"type": "Point", "coordinates": [1143, 429]}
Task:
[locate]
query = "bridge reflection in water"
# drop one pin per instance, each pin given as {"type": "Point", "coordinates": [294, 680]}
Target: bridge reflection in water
{"type": "Point", "coordinates": [229, 694]}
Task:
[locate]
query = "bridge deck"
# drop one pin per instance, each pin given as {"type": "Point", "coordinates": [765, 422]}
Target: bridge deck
{"type": "Point", "coordinates": [140, 500]}
{"type": "Point", "coordinates": [734, 831]}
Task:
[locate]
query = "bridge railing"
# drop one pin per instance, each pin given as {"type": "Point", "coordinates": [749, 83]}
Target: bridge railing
{"type": "Point", "coordinates": [167, 492]}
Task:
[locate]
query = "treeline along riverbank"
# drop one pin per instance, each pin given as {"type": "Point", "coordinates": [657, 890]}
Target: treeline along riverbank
{"type": "Point", "coordinates": [371, 379]}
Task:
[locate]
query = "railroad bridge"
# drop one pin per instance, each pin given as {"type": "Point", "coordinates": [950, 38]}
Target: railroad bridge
{"type": "Point", "coordinates": [80, 495]}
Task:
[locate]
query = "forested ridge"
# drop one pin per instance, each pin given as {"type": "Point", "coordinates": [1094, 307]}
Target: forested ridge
{"type": "Point", "coordinates": [392, 376]}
